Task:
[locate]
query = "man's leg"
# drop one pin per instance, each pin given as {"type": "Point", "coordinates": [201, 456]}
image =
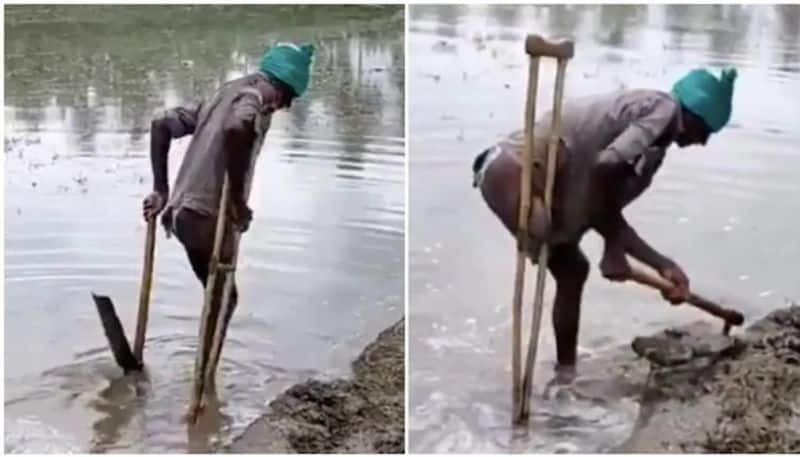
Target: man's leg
{"type": "Point", "coordinates": [196, 233]}
{"type": "Point", "coordinates": [570, 268]}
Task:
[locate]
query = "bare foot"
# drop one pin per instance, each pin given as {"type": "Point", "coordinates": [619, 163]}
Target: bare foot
{"type": "Point", "coordinates": [564, 376]}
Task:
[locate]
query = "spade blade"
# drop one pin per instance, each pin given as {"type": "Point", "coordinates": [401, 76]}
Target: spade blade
{"type": "Point", "coordinates": [115, 334]}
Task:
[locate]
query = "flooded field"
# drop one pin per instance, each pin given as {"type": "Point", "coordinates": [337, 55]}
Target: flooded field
{"type": "Point", "coordinates": [728, 213]}
{"type": "Point", "coordinates": [320, 270]}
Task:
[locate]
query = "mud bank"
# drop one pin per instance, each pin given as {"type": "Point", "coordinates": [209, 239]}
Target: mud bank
{"type": "Point", "coordinates": [364, 414]}
{"type": "Point", "coordinates": [745, 401]}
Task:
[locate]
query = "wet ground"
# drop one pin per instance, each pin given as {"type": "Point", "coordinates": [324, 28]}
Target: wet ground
{"type": "Point", "coordinates": [362, 414]}
{"type": "Point", "coordinates": [321, 268]}
{"type": "Point", "coordinates": [745, 401]}
{"type": "Point", "coordinates": [724, 212]}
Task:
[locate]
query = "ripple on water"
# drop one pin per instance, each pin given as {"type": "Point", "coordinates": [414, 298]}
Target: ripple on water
{"type": "Point", "coordinates": [30, 435]}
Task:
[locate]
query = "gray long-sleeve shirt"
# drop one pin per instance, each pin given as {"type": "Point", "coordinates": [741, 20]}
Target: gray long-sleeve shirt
{"type": "Point", "coordinates": [631, 126]}
{"type": "Point", "coordinates": [198, 185]}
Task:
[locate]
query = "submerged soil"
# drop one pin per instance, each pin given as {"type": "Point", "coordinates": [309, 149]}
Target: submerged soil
{"type": "Point", "coordinates": [364, 414]}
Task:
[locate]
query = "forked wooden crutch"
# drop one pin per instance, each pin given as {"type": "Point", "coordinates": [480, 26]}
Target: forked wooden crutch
{"type": "Point", "coordinates": [536, 47]}
{"type": "Point", "coordinates": [210, 343]}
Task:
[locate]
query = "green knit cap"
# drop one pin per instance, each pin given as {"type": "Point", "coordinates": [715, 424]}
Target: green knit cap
{"type": "Point", "coordinates": [706, 96]}
{"type": "Point", "coordinates": [289, 64]}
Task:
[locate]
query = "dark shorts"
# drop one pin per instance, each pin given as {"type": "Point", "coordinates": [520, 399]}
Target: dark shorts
{"type": "Point", "coordinates": [196, 232]}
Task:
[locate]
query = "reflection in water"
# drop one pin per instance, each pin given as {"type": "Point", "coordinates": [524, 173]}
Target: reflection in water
{"type": "Point", "coordinates": [203, 436]}
{"type": "Point", "coordinates": [505, 15]}
{"type": "Point", "coordinates": [730, 26]}
{"type": "Point", "coordinates": [321, 268]}
{"type": "Point", "coordinates": [717, 210]}
{"type": "Point", "coordinates": [117, 404]}
{"type": "Point", "coordinates": [100, 85]}
{"type": "Point", "coordinates": [615, 21]}
{"type": "Point", "coordinates": [678, 20]}
{"type": "Point", "coordinates": [563, 19]}
{"type": "Point", "coordinates": [787, 32]}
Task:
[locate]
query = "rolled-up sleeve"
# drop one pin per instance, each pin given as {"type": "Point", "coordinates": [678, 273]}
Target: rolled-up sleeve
{"type": "Point", "coordinates": [181, 120]}
{"type": "Point", "coordinates": [651, 120]}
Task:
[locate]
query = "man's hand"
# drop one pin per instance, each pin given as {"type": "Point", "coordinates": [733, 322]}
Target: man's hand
{"type": "Point", "coordinates": [614, 266]}
{"type": "Point", "coordinates": [680, 292]}
{"type": "Point", "coordinates": [240, 215]}
{"type": "Point", "coordinates": [153, 204]}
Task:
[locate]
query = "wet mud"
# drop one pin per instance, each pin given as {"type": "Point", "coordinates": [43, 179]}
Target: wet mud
{"type": "Point", "coordinates": [740, 395]}
{"type": "Point", "coordinates": [361, 414]}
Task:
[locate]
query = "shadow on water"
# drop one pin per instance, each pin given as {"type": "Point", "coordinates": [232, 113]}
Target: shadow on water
{"type": "Point", "coordinates": [321, 267]}
{"type": "Point", "coordinates": [117, 403]}
{"type": "Point", "coordinates": [717, 210]}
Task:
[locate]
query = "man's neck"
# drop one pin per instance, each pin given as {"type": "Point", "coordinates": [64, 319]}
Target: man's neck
{"type": "Point", "coordinates": [265, 87]}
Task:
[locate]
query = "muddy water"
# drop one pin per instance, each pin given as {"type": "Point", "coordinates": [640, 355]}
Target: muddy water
{"type": "Point", "coordinates": [726, 212]}
{"type": "Point", "coordinates": [321, 269]}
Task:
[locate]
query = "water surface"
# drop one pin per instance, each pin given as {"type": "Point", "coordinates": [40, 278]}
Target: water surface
{"type": "Point", "coordinates": [320, 270]}
{"type": "Point", "coordinates": [727, 212]}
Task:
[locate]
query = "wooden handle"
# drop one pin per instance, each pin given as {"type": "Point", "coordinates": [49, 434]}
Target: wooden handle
{"type": "Point", "coordinates": [144, 290]}
{"type": "Point", "coordinates": [646, 278]}
{"type": "Point", "coordinates": [537, 46]}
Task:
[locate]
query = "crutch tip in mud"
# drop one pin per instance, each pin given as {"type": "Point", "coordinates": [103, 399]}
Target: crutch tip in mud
{"type": "Point", "coordinates": [603, 152]}
{"type": "Point", "coordinates": [207, 208]}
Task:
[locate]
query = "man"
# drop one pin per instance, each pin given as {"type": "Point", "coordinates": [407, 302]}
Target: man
{"type": "Point", "coordinates": [611, 147]}
{"type": "Point", "coordinates": [225, 130]}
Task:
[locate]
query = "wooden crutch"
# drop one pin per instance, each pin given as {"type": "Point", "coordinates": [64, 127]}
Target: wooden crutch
{"type": "Point", "coordinates": [210, 344]}
{"type": "Point", "coordinates": [230, 270]}
{"type": "Point", "coordinates": [536, 47]}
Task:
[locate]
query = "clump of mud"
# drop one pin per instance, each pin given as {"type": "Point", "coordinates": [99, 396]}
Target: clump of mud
{"type": "Point", "coordinates": [364, 414]}
{"type": "Point", "coordinates": [742, 397]}
{"type": "Point", "coordinates": [759, 392]}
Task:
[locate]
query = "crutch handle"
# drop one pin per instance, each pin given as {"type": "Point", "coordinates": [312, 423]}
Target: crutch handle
{"type": "Point", "coordinates": [536, 46]}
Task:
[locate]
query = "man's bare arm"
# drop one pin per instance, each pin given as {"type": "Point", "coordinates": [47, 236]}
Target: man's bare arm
{"type": "Point", "coordinates": [173, 123]}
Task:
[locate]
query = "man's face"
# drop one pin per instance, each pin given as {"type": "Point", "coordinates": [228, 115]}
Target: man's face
{"type": "Point", "coordinates": [695, 130]}
{"type": "Point", "coordinates": [281, 99]}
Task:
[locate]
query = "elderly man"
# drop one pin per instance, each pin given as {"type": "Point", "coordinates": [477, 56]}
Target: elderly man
{"type": "Point", "coordinates": [611, 147]}
{"type": "Point", "coordinates": [225, 129]}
